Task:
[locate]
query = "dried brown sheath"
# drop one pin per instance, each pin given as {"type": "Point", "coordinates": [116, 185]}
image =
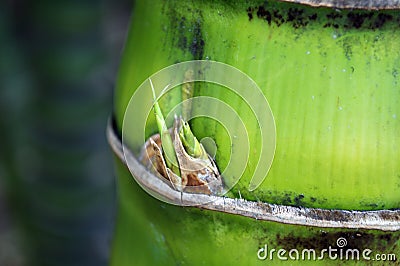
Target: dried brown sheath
{"type": "Point", "coordinates": [197, 175]}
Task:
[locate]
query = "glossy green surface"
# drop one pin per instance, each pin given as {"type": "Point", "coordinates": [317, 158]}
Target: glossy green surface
{"type": "Point", "coordinates": [331, 78]}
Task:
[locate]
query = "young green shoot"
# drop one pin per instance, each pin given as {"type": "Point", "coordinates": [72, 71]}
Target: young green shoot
{"type": "Point", "coordinates": [190, 142]}
{"type": "Point", "coordinates": [166, 140]}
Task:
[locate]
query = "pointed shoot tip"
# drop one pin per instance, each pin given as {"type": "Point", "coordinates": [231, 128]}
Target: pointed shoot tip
{"type": "Point", "coordinates": [152, 88]}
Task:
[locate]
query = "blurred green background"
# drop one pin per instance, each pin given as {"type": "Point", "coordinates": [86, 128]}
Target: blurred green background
{"type": "Point", "coordinates": [58, 62]}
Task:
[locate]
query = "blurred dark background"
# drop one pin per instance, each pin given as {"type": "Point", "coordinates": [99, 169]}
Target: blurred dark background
{"type": "Point", "coordinates": [58, 63]}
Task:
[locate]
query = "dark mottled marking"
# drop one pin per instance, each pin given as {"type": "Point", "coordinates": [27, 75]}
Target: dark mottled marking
{"type": "Point", "coordinates": [296, 16]}
{"type": "Point", "coordinates": [189, 37]}
{"type": "Point", "coordinates": [298, 200]}
{"type": "Point", "coordinates": [293, 199]}
{"type": "Point", "coordinates": [278, 18]}
{"type": "Point", "coordinates": [381, 20]}
{"type": "Point", "coordinates": [197, 46]}
{"type": "Point", "coordinates": [313, 17]}
{"type": "Point", "coordinates": [334, 15]}
{"type": "Point", "coordinates": [395, 73]}
{"type": "Point", "coordinates": [301, 16]}
{"type": "Point", "coordinates": [250, 13]}
{"type": "Point", "coordinates": [264, 14]}
{"type": "Point", "coordinates": [348, 52]}
{"type": "Point", "coordinates": [287, 200]}
{"type": "Point", "coordinates": [357, 20]}
{"type": "Point", "coordinates": [182, 39]}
